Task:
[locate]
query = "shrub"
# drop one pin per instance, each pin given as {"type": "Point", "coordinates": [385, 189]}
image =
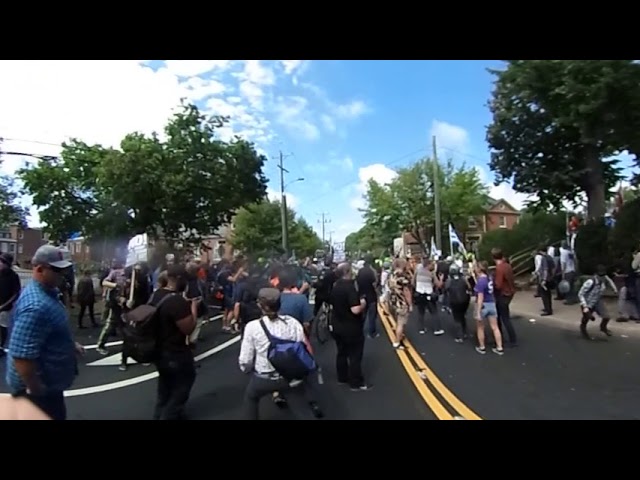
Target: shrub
{"type": "Point", "coordinates": [592, 246]}
{"type": "Point", "coordinates": [532, 231]}
{"type": "Point", "coordinates": [625, 236]}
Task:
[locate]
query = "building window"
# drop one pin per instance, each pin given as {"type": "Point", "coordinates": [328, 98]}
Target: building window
{"type": "Point", "coordinates": [12, 248]}
{"type": "Point", "coordinates": [473, 223]}
{"type": "Point", "coordinates": [3, 247]}
{"type": "Point", "coordinates": [21, 235]}
{"type": "Point", "coordinates": [502, 207]}
{"type": "Point", "coordinates": [20, 251]}
{"type": "Point", "coordinates": [503, 221]}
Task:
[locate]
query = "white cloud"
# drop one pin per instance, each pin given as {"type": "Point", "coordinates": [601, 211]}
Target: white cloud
{"type": "Point", "coordinates": [292, 113]}
{"type": "Point", "coordinates": [102, 101]}
{"type": "Point", "coordinates": [192, 68]}
{"type": "Point", "coordinates": [290, 66]}
{"type": "Point", "coordinates": [450, 138]}
{"type": "Point", "coordinates": [378, 172]}
{"type": "Point", "coordinates": [352, 110]}
{"type": "Point", "coordinates": [292, 200]}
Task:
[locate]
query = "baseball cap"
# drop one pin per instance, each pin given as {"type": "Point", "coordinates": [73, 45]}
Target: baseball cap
{"type": "Point", "coordinates": [269, 295]}
{"type": "Point", "coordinates": [50, 255]}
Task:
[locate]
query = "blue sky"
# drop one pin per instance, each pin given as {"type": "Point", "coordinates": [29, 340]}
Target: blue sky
{"type": "Point", "coordinates": [339, 123]}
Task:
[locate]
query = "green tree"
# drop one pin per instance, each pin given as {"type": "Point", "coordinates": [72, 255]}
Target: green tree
{"type": "Point", "coordinates": [10, 210]}
{"type": "Point", "coordinates": [555, 124]}
{"type": "Point", "coordinates": [257, 231]}
{"type": "Point", "coordinates": [182, 186]}
{"type": "Point", "coordinates": [407, 203]}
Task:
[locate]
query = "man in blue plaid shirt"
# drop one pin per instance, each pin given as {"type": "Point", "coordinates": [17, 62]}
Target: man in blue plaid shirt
{"type": "Point", "coordinates": [41, 362]}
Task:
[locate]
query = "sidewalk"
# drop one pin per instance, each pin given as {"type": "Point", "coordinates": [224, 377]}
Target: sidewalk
{"type": "Point", "coordinates": [525, 305]}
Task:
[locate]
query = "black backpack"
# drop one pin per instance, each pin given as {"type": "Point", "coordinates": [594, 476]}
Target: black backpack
{"type": "Point", "coordinates": [140, 331]}
{"type": "Point", "coordinates": [551, 266]}
{"type": "Point", "coordinates": [458, 291]}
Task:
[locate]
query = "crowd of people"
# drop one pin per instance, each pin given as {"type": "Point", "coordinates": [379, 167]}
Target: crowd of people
{"type": "Point", "coordinates": [272, 305]}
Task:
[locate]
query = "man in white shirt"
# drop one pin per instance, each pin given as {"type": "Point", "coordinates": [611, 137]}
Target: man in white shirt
{"type": "Point", "coordinates": [265, 380]}
{"type": "Point", "coordinates": [568, 269]}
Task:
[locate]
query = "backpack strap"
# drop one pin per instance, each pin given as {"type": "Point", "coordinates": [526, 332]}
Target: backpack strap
{"type": "Point", "coordinates": [266, 331]}
{"type": "Point", "coordinates": [162, 300]}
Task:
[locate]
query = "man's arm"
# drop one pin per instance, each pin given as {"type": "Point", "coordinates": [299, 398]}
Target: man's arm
{"type": "Point", "coordinates": [28, 337]}
{"type": "Point", "coordinates": [247, 356]}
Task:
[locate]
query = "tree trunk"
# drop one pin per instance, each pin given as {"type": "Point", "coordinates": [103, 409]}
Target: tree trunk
{"type": "Point", "coordinates": [595, 189]}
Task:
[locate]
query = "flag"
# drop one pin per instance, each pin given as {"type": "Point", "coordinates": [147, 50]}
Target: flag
{"type": "Point", "coordinates": [434, 250]}
{"type": "Point", "coordinates": [455, 240]}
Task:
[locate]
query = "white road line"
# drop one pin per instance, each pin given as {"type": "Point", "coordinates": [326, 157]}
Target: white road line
{"type": "Point", "coordinates": [142, 378]}
{"type": "Point", "coordinates": [119, 342]}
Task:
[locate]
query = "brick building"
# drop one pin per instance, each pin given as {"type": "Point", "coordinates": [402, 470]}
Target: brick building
{"type": "Point", "coordinates": [499, 214]}
{"type": "Point", "coordinates": [22, 243]}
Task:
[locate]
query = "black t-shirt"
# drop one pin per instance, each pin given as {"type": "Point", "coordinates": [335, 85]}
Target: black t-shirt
{"type": "Point", "coordinates": [9, 286]}
{"type": "Point", "coordinates": [325, 284]}
{"type": "Point", "coordinates": [366, 280]}
{"type": "Point", "coordinates": [344, 296]}
{"type": "Point", "coordinates": [170, 338]}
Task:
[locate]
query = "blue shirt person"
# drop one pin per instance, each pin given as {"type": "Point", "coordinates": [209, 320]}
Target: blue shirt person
{"type": "Point", "coordinates": [41, 361]}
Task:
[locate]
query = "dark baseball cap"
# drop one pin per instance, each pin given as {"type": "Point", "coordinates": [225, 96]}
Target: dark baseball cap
{"type": "Point", "coordinates": [51, 256]}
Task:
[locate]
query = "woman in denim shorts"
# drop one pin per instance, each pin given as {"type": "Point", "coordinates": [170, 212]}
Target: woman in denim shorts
{"type": "Point", "coordinates": [486, 309]}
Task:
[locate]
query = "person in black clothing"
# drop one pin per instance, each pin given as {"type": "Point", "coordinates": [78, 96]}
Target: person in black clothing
{"type": "Point", "coordinates": [367, 281]}
{"type": "Point", "coordinates": [248, 295]}
{"type": "Point", "coordinates": [176, 367]}
{"type": "Point", "coordinates": [86, 297]}
{"type": "Point", "coordinates": [347, 320]}
{"type": "Point", "coordinates": [323, 286]}
{"type": "Point", "coordinates": [9, 291]}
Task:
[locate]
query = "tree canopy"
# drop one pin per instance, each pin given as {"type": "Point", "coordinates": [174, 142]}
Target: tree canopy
{"type": "Point", "coordinates": [11, 211]}
{"type": "Point", "coordinates": [257, 230]}
{"type": "Point", "coordinates": [558, 123]}
{"type": "Point", "coordinates": [407, 204]}
{"type": "Point", "coordinates": [179, 186]}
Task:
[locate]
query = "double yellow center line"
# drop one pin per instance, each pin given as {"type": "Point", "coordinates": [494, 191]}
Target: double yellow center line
{"type": "Point", "coordinates": [429, 386]}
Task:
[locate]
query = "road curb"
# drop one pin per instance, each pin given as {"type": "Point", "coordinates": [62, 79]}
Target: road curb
{"type": "Point", "coordinates": [628, 329]}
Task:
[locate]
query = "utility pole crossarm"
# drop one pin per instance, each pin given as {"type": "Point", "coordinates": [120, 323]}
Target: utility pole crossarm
{"type": "Point", "coordinates": [323, 221]}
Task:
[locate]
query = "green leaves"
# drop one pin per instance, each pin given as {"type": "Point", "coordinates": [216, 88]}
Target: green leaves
{"type": "Point", "coordinates": [179, 187]}
{"type": "Point", "coordinates": [10, 211]}
{"type": "Point", "coordinates": [554, 123]}
{"type": "Point", "coordinates": [407, 204]}
{"type": "Point", "coordinates": [257, 229]}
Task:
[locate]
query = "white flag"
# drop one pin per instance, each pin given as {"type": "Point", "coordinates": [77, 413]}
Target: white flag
{"type": "Point", "coordinates": [455, 240]}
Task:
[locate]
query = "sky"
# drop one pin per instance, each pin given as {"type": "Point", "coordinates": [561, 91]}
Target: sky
{"type": "Point", "coordinates": [337, 123]}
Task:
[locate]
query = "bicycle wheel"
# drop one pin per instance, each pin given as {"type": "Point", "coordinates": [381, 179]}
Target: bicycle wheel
{"type": "Point", "coordinates": [321, 326]}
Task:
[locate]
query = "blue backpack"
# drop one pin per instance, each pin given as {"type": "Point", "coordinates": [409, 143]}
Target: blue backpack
{"type": "Point", "coordinates": [290, 358]}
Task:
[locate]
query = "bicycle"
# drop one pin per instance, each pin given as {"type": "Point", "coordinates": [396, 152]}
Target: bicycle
{"type": "Point", "coordinates": [322, 324]}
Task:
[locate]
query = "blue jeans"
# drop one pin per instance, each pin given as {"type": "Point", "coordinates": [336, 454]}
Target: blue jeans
{"type": "Point", "coordinates": [370, 319]}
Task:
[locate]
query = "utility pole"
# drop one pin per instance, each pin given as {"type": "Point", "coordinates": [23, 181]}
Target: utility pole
{"type": "Point", "coordinates": [436, 195]}
{"type": "Point", "coordinates": [283, 206]}
{"type": "Point", "coordinates": [324, 220]}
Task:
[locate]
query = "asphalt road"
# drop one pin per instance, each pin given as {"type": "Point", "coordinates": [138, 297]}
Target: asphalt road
{"type": "Point", "coordinates": [553, 374]}
{"type": "Point", "coordinates": [102, 392]}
